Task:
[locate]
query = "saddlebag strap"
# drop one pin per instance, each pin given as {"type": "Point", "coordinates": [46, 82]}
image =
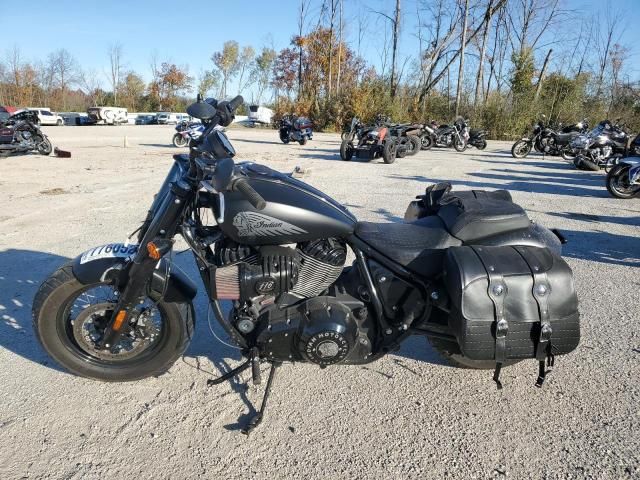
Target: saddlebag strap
{"type": "Point", "coordinates": [497, 291]}
{"type": "Point", "coordinates": [541, 291]}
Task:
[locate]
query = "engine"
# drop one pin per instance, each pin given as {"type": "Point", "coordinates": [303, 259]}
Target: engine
{"type": "Point", "coordinates": [286, 301]}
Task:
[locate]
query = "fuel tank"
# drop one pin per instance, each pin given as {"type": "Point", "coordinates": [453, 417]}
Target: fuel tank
{"type": "Point", "coordinates": [295, 211]}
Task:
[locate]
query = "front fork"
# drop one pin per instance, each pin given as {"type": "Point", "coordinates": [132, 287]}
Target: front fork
{"type": "Point", "coordinates": [156, 241]}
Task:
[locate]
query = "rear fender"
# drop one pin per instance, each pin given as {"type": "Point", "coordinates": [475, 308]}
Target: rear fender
{"type": "Point", "coordinates": [108, 262]}
{"type": "Point", "coordinates": [535, 236]}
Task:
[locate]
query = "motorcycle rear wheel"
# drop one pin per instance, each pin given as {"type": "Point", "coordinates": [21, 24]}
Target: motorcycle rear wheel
{"type": "Point", "coordinates": [413, 144]}
{"type": "Point", "coordinates": [389, 151]}
{"type": "Point", "coordinates": [482, 145]}
{"type": "Point", "coordinates": [70, 339]}
{"type": "Point", "coordinates": [426, 142]}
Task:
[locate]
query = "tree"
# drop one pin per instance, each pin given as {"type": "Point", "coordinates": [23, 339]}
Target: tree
{"type": "Point", "coordinates": [131, 90]}
{"type": "Point", "coordinates": [263, 70]}
{"type": "Point", "coordinates": [90, 84]}
{"type": "Point", "coordinates": [65, 69]}
{"type": "Point", "coordinates": [115, 75]}
{"type": "Point", "coordinates": [245, 60]}
{"type": "Point", "coordinates": [463, 42]}
{"type": "Point", "coordinates": [227, 63]}
{"type": "Point", "coordinates": [207, 81]}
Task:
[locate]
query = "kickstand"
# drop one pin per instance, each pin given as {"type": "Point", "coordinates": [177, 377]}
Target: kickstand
{"type": "Point", "coordinates": [230, 374]}
{"type": "Point", "coordinates": [257, 418]}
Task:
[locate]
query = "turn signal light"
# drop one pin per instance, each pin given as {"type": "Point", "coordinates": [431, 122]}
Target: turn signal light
{"type": "Point", "coordinates": [154, 251]}
{"type": "Point", "coordinates": [117, 324]}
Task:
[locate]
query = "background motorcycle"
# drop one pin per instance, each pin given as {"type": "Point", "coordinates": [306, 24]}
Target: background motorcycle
{"type": "Point", "coordinates": [406, 137]}
{"type": "Point", "coordinates": [21, 134]}
{"type": "Point", "coordinates": [454, 135]}
{"type": "Point", "coordinates": [478, 138]}
{"type": "Point", "coordinates": [623, 180]}
{"type": "Point", "coordinates": [298, 129]}
{"type": "Point", "coordinates": [187, 131]}
{"type": "Point", "coordinates": [373, 142]}
{"type": "Point", "coordinates": [548, 141]}
{"type": "Point", "coordinates": [353, 131]}
{"type": "Point", "coordinates": [277, 250]}
{"type": "Point", "coordinates": [601, 147]}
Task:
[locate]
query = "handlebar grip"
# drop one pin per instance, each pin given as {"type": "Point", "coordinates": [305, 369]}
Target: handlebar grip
{"type": "Point", "coordinates": [236, 102]}
{"type": "Point", "coordinates": [254, 198]}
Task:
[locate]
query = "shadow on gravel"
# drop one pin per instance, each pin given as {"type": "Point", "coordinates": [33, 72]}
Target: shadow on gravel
{"type": "Point", "coordinates": [592, 218]}
{"type": "Point", "coordinates": [517, 183]}
{"type": "Point", "coordinates": [257, 141]}
{"type": "Point", "coordinates": [21, 272]}
{"type": "Point", "coordinates": [602, 247]}
{"type": "Point", "coordinates": [163, 145]}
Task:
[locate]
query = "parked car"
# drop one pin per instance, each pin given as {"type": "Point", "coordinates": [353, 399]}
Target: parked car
{"type": "Point", "coordinates": [167, 118]}
{"type": "Point", "coordinates": [47, 117]}
{"type": "Point", "coordinates": [107, 115]}
{"type": "Point", "coordinates": [145, 119]}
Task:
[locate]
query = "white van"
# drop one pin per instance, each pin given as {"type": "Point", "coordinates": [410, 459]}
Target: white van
{"type": "Point", "coordinates": [47, 117]}
{"type": "Point", "coordinates": [166, 118]}
{"type": "Point", "coordinates": [107, 115]}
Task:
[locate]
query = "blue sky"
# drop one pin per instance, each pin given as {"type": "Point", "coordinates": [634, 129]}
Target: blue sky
{"type": "Point", "coordinates": [189, 32]}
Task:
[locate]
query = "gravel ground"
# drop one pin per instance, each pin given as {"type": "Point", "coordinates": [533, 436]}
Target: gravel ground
{"type": "Point", "coordinates": [406, 416]}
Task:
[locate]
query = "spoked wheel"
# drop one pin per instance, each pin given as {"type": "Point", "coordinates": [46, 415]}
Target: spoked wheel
{"type": "Point", "coordinates": [70, 317]}
{"type": "Point", "coordinates": [44, 146]}
{"type": "Point", "coordinates": [520, 149]}
{"type": "Point", "coordinates": [426, 142]}
{"type": "Point", "coordinates": [459, 144]}
{"type": "Point", "coordinates": [179, 140]}
{"type": "Point", "coordinates": [619, 183]}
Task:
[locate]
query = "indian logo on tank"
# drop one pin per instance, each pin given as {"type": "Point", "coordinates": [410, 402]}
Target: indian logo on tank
{"type": "Point", "coordinates": [250, 224]}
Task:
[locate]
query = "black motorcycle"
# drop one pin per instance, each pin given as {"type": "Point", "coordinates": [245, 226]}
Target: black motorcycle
{"type": "Point", "coordinates": [297, 129]}
{"type": "Point", "coordinates": [550, 141]}
{"type": "Point", "coordinates": [477, 138]}
{"type": "Point", "coordinates": [406, 137]}
{"type": "Point", "coordinates": [454, 135]}
{"type": "Point", "coordinates": [353, 131]}
{"type": "Point", "coordinates": [469, 271]}
{"type": "Point", "coordinates": [623, 180]}
{"type": "Point", "coordinates": [21, 134]}
{"type": "Point", "coordinates": [600, 148]}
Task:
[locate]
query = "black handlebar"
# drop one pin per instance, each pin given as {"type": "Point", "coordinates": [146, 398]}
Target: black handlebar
{"type": "Point", "coordinates": [254, 198]}
{"type": "Point", "coordinates": [236, 102]}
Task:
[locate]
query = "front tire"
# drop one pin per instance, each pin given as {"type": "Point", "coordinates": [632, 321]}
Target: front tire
{"type": "Point", "coordinates": [618, 183]}
{"type": "Point", "coordinates": [426, 142]}
{"type": "Point", "coordinates": [66, 340]}
{"type": "Point", "coordinates": [389, 151]}
{"type": "Point", "coordinates": [179, 141]}
{"type": "Point", "coordinates": [45, 147]}
{"type": "Point", "coordinates": [303, 141]}
{"type": "Point", "coordinates": [346, 150]}
{"type": "Point", "coordinates": [520, 149]}
{"type": "Point", "coordinates": [459, 144]}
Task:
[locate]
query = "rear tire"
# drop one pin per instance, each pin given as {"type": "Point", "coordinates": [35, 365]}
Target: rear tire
{"type": "Point", "coordinates": [520, 149]}
{"type": "Point", "coordinates": [389, 151]}
{"type": "Point", "coordinates": [51, 307]}
{"type": "Point", "coordinates": [413, 144]}
{"type": "Point", "coordinates": [346, 150]}
{"type": "Point", "coordinates": [482, 145]}
{"type": "Point", "coordinates": [426, 142]}
{"type": "Point", "coordinates": [618, 183]}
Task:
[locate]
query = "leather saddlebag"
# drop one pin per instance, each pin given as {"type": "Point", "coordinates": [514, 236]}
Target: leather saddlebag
{"type": "Point", "coordinates": [511, 303]}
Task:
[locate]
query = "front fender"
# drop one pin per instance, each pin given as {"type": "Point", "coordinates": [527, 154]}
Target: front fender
{"type": "Point", "coordinates": [108, 262]}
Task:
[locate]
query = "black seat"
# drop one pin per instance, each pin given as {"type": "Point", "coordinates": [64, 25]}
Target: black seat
{"type": "Point", "coordinates": [418, 246]}
{"type": "Point", "coordinates": [470, 216]}
{"type": "Point", "coordinates": [565, 138]}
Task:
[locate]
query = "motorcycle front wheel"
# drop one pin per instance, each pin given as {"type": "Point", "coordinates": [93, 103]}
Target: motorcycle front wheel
{"type": "Point", "coordinates": [520, 149]}
{"type": "Point", "coordinates": [179, 141]}
{"type": "Point", "coordinates": [69, 318]}
{"type": "Point", "coordinates": [426, 142]}
{"type": "Point", "coordinates": [459, 144]}
{"type": "Point", "coordinates": [389, 151]}
{"type": "Point", "coordinates": [619, 184]}
{"type": "Point", "coordinates": [44, 146]}
{"type": "Point", "coordinates": [303, 141]}
{"type": "Point", "coordinates": [346, 150]}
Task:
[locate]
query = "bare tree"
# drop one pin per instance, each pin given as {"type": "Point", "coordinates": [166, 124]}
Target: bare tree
{"type": "Point", "coordinates": [395, 32]}
{"type": "Point", "coordinates": [65, 68]}
{"type": "Point", "coordinates": [483, 49]}
{"type": "Point", "coordinates": [245, 60]}
{"type": "Point", "coordinates": [115, 73]}
{"type": "Point", "coordinates": [463, 42]}
{"type": "Point", "coordinates": [542, 72]}
{"type": "Point", "coordinates": [605, 42]}
{"type": "Point", "coordinates": [89, 83]}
